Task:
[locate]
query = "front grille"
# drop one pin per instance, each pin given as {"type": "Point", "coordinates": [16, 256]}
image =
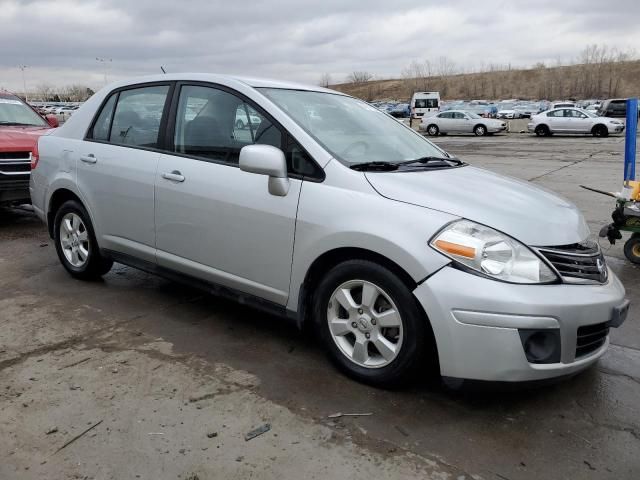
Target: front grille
{"type": "Point", "coordinates": [591, 338]}
{"type": "Point", "coordinates": [577, 263]}
{"type": "Point", "coordinates": [13, 184]}
{"type": "Point", "coordinates": [15, 155]}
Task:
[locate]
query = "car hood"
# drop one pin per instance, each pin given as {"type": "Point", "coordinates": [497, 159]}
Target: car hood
{"type": "Point", "coordinates": [14, 139]}
{"type": "Point", "coordinates": [535, 216]}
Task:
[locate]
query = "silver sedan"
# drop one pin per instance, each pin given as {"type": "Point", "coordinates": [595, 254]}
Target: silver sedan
{"type": "Point", "coordinates": [460, 121]}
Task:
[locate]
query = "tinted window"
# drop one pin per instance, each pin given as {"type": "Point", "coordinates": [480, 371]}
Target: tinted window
{"type": "Point", "coordinates": [299, 161]}
{"type": "Point", "coordinates": [137, 116]}
{"type": "Point", "coordinates": [215, 125]}
{"type": "Point", "coordinates": [555, 113]}
{"type": "Point", "coordinates": [103, 123]}
{"type": "Point", "coordinates": [426, 103]}
{"type": "Point", "coordinates": [459, 115]}
{"type": "Point", "coordinates": [446, 115]}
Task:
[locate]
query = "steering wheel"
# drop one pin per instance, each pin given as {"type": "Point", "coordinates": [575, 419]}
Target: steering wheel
{"type": "Point", "coordinates": [355, 145]}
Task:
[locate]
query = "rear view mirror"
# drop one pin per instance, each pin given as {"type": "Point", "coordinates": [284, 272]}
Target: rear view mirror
{"type": "Point", "coordinates": [52, 120]}
{"type": "Point", "coordinates": [266, 160]}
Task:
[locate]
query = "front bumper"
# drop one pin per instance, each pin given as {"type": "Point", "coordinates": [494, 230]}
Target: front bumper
{"type": "Point", "coordinates": [616, 128]}
{"type": "Point", "coordinates": [476, 323]}
{"type": "Point", "coordinates": [14, 188]}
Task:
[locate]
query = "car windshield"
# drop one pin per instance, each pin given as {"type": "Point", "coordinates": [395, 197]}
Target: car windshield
{"type": "Point", "coordinates": [351, 130]}
{"type": "Point", "coordinates": [589, 113]}
{"type": "Point", "coordinates": [473, 115]}
{"type": "Point", "coordinates": [15, 112]}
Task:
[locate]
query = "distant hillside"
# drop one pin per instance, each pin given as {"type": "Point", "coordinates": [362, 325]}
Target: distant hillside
{"type": "Point", "coordinates": [609, 80]}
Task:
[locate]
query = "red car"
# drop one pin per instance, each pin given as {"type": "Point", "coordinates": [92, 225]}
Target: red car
{"type": "Point", "coordinates": [20, 128]}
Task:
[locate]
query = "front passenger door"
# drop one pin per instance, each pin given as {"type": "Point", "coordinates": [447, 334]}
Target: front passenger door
{"type": "Point", "coordinates": [214, 221]}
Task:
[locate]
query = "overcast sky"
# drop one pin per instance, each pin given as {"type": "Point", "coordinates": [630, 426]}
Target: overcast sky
{"type": "Point", "coordinates": [298, 40]}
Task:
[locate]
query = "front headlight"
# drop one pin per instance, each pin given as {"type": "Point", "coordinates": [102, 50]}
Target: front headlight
{"type": "Point", "coordinates": [615, 122]}
{"type": "Point", "coordinates": [491, 253]}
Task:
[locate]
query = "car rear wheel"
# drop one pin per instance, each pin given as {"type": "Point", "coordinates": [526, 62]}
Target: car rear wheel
{"type": "Point", "coordinates": [76, 243]}
{"type": "Point", "coordinates": [370, 323]}
{"type": "Point", "coordinates": [542, 131]}
{"type": "Point", "coordinates": [480, 130]}
{"type": "Point", "coordinates": [433, 130]}
{"type": "Point", "coordinates": [600, 131]}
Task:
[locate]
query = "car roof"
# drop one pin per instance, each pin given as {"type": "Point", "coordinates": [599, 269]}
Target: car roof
{"type": "Point", "coordinates": [254, 82]}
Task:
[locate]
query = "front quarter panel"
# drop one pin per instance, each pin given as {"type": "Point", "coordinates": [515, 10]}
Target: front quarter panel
{"type": "Point", "coordinates": [344, 211]}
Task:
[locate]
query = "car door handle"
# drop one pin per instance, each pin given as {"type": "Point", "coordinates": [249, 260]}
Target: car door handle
{"type": "Point", "coordinates": [174, 176]}
{"type": "Point", "coordinates": [89, 158]}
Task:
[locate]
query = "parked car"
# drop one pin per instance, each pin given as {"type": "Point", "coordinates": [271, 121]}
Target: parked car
{"type": "Point", "coordinates": [20, 127]}
{"type": "Point", "coordinates": [458, 121]}
{"type": "Point", "coordinates": [399, 256]}
{"type": "Point", "coordinates": [614, 108]}
{"type": "Point", "coordinates": [573, 120]}
{"type": "Point", "coordinates": [401, 110]}
{"type": "Point", "coordinates": [563, 105]}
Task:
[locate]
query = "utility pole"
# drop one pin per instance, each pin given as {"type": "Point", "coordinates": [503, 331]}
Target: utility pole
{"type": "Point", "coordinates": [105, 66]}
{"type": "Point", "coordinates": [24, 82]}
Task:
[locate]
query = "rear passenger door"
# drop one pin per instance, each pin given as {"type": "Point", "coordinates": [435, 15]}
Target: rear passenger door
{"type": "Point", "coordinates": [555, 120]}
{"type": "Point", "coordinates": [116, 168]}
{"type": "Point", "coordinates": [446, 122]}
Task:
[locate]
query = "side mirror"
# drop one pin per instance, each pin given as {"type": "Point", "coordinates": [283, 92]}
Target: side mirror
{"type": "Point", "coordinates": [52, 120]}
{"type": "Point", "coordinates": [266, 160]}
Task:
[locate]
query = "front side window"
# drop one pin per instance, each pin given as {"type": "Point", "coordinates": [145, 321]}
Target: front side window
{"type": "Point", "coordinates": [213, 124]}
{"type": "Point", "coordinates": [137, 116]}
{"type": "Point", "coordinates": [350, 129]}
{"type": "Point", "coordinates": [14, 112]}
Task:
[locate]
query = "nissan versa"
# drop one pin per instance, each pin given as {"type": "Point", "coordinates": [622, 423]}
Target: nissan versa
{"type": "Point", "coordinates": [322, 208]}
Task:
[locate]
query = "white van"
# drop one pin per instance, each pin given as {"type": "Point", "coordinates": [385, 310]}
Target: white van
{"type": "Point", "coordinates": [424, 102]}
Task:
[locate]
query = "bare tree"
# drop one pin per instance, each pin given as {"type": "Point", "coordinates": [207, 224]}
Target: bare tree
{"type": "Point", "coordinates": [44, 92]}
{"type": "Point", "coordinates": [359, 77]}
{"type": "Point", "coordinates": [325, 80]}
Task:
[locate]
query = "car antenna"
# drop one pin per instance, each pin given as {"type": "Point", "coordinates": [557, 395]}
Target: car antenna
{"type": "Point", "coordinates": [162, 68]}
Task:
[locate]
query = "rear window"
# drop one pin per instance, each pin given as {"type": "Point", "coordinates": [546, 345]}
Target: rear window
{"type": "Point", "coordinates": [426, 103]}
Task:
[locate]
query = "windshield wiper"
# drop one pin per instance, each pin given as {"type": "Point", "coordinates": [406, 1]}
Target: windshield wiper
{"type": "Point", "coordinates": [379, 166]}
{"type": "Point", "coordinates": [434, 161]}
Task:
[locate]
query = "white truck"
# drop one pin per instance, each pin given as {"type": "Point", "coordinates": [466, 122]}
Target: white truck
{"type": "Point", "coordinates": [424, 102]}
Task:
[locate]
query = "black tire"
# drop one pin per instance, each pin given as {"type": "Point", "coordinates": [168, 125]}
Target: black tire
{"type": "Point", "coordinates": [632, 248]}
{"type": "Point", "coordinates": [480, 130]}
{"type": "Point", "coordinates": [417, 337]}
{"type": "Point", "coordinates": [95, 265]}
{"type": "Point", "coordinates": [542, 131]}
{"type": "Point", "coordinates": [600, 131]}
{"type": "Point", "coordinates": [433, 130]}
{"type": "Point", "coordinates": [239, 124]}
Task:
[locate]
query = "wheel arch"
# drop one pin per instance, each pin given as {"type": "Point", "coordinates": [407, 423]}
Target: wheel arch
{"type": "Point", "coordinates": [329, 259]}
{"type": "Point", "coordinates": [57, 199]}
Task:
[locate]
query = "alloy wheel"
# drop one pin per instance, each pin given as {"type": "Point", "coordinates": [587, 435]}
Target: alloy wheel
{"type": "Point", "coordinates": [365, 324]}
{"type": "Point", "coordinates": [74, 240]}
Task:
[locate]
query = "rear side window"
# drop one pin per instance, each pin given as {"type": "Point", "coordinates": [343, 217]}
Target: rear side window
{"type": "Point", "coordinates": [556, 113]}
{"type": "Point", "coordinates": [136, 121]}
{"type": "Point", "coordinates": [103, 123]}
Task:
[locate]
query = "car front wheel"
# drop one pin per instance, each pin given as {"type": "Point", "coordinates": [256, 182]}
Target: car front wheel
{"type": "Point", "coordinates": [480, 130]}
{"type": "Point", "coordinates": [76, 243]}
{"type": "Point", "coordinates": [370, 323]}
{"type": "Point", "coordinates": [433, 130]}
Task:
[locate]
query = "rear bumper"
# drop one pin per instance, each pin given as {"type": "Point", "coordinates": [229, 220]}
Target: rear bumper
{"type": "Point", "coordinates": [477, 323]}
